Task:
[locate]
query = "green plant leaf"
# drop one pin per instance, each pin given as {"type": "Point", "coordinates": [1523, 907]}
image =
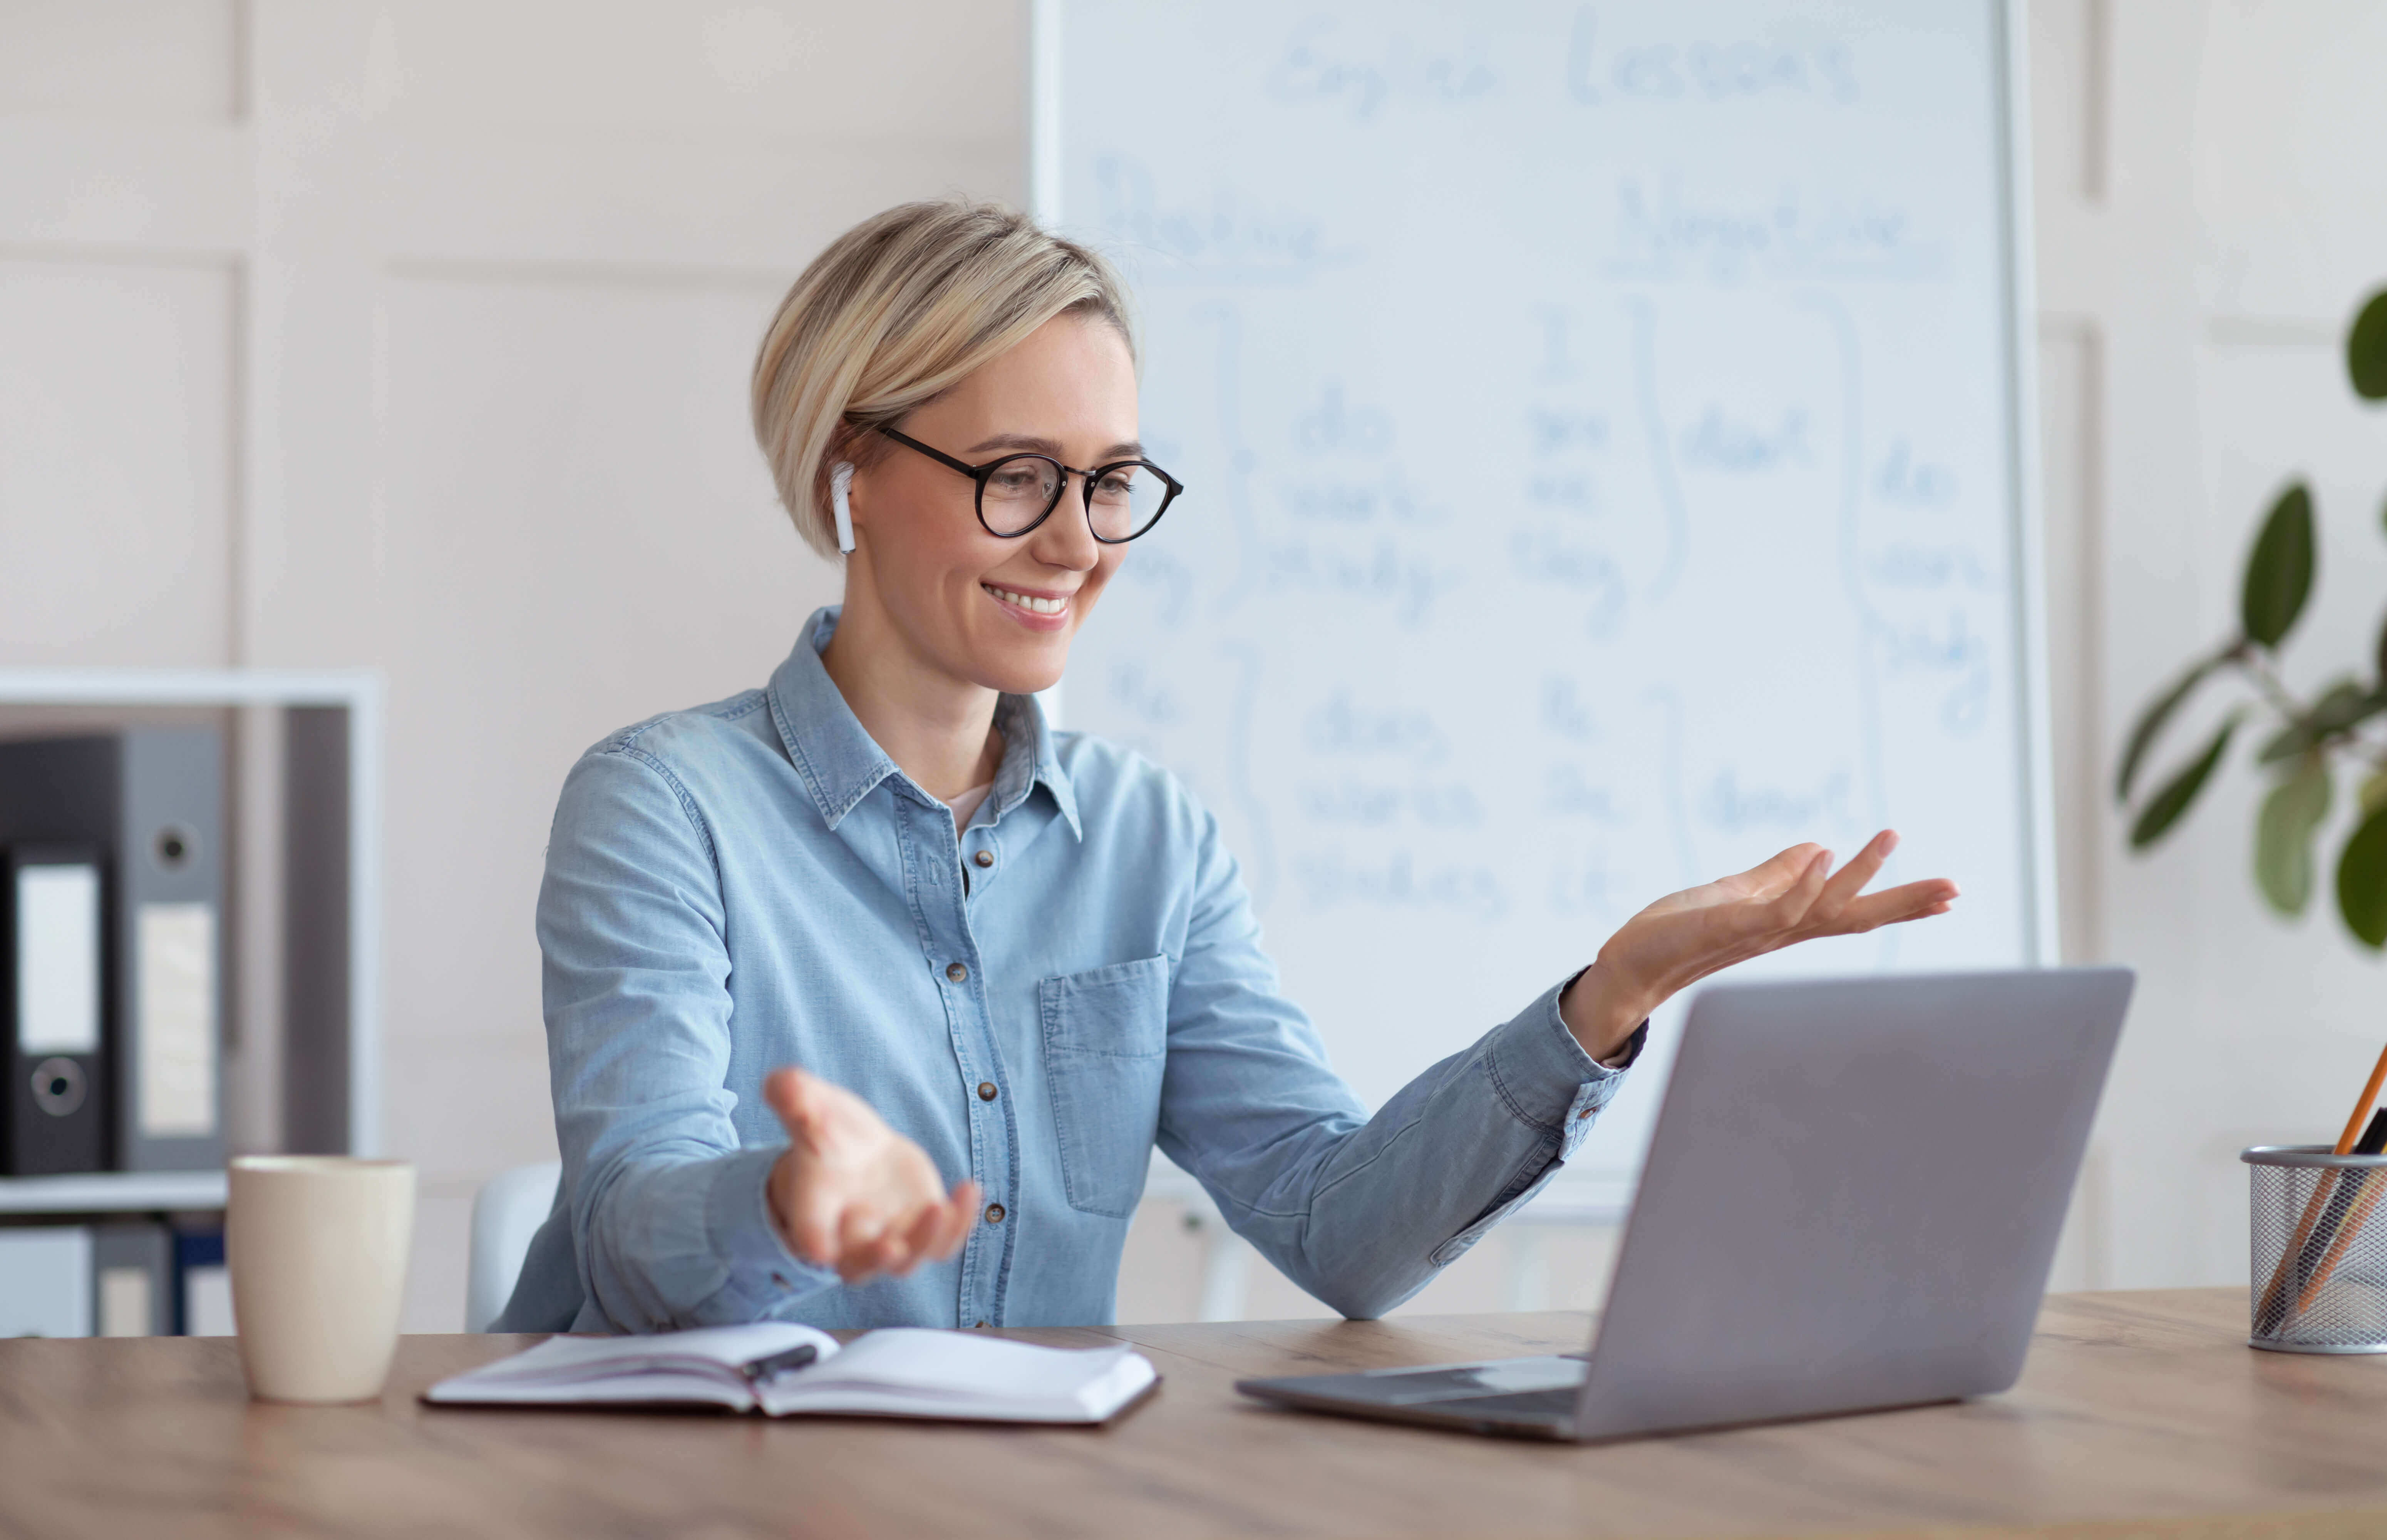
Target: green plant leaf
{"type": "Point", "coordinates": [2362, 881]}
{"type": "Point", "coordinates": [2150, 722]}
{"type": "Point", "coordinates": [2163, 809]}
{"type": "Point", "coordinates": [2280, 569]}
{"type": "Point", "coordinates": [2366, 349]}
{"type": "Point", "coordinates": [2342, 705]}
{"type": "Point", "coordinates": [2283, 835]}
{"type": "Point", "coordinates": [2373, 795]}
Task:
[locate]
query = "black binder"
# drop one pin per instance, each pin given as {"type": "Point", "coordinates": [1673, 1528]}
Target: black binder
{"type": "Point", "coordinates": [150, 800]}
{"type": "Point", "coordinates": [54, 973]}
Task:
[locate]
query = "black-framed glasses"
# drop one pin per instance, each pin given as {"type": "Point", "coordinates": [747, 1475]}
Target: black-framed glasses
{"type": "Point", "coordinates": [1124, 498]}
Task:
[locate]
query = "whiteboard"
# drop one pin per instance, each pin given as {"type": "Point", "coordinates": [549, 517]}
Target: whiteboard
{"type": "Point", "coordinates": [1604, 435]}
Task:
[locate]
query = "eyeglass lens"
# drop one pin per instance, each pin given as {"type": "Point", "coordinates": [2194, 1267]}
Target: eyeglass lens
{"type": "Point", "coordinates": [1020, 490]}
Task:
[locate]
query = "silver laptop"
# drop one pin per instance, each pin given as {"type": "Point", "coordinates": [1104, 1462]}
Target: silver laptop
{"type": "Point", "coordinates": [1851, 1202]}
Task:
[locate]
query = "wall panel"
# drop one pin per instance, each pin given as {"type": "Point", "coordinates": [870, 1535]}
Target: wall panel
{"type": "Point", "coordinates": [580, 533]}
{"type": "Point", "coordinates": [900, 70]}
{"type": "Point", "coordinates": [116, 468]}
{"type": "Point", "coordinates": [2290, 185]}
{"type": "Point", "coordinates": [169, 59]}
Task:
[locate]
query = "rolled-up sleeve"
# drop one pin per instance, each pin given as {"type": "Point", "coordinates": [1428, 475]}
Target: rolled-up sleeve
{"type": "Point", "coordinates": [1360, 1211]}
{"type": "Point", "coordinates": [669, 1214]}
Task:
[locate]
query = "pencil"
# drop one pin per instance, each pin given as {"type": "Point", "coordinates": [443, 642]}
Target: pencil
{"type": "Point", "coordinates": [2362, 1108]}
{"type": "Point", "coordinates": [2338, 1229]}
{"type": "Point", "coordinates": [2373, 1142]}
{"type": "Point", "coordinates": [2268, 1313]}
{"type": "Point", "coordinates": [2371, 1190]}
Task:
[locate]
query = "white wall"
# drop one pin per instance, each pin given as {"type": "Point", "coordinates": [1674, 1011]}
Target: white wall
{"type": "Point", "coordinates": [2212, 206]}
{"type": "Point", "coordinates": [413, 335]}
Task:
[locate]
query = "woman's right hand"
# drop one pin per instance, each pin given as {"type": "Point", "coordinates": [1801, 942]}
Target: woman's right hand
{"type": "Point", "coordinates": [850, 1193]}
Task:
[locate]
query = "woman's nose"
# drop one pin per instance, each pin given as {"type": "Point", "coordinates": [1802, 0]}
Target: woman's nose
{"type": "Point", "coordinates": [1067, 539]}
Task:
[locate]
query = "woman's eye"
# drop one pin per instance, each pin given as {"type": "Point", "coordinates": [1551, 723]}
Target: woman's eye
{"type": "Point", "coordinates": [1119, 484]}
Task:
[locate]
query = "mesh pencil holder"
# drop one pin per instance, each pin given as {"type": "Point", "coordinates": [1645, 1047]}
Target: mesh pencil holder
{"type": "Point", "coordinates": [2319, 1228]}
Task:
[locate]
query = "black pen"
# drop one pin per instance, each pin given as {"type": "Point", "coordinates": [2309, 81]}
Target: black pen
{"type": "Point", "coordinates": [756, 1370]}
{"type": "Point", "coordinates": [2374, 1137]}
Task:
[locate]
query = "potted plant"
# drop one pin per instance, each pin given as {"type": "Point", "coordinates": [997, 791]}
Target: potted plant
{"type": "Point", "coordinates": [2308, 739]}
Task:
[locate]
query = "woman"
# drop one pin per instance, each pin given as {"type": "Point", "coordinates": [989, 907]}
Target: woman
{"type": "Point", "coordinates": [815, 951]}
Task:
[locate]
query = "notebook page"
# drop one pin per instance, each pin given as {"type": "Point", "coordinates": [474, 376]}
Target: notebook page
{"type": "Point", "coordinates": [929, 1373]}
{"type": "Point", "coordinates": [601, 1367]}
{"type": "Point", "coordinates": [654, 1386]}
{"type": "Point", "coordinates": [964, 1363]}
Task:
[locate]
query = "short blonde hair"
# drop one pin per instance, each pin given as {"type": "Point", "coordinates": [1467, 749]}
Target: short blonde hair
{"type": "Point", "coordinates": [897, 310]}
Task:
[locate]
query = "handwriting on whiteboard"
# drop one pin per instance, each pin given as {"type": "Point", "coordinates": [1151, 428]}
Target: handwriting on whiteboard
{"type": "Point", "coordinates": [1598, 474]}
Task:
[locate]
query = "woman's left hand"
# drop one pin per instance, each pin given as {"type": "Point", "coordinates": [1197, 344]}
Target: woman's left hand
{"type": "Point", "coordinates": [1681, 939]}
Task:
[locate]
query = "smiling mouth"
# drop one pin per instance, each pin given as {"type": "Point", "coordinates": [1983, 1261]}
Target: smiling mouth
{"type": "Point", "coordinates": [1024, 602]}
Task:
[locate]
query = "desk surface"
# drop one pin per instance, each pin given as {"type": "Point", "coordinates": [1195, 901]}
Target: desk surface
{"type": "Point", "coordinates": [2135, 1407]}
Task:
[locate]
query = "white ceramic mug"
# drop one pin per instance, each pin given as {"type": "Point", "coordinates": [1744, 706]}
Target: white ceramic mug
{"type": "Point", "coordinates": [317, 1246]}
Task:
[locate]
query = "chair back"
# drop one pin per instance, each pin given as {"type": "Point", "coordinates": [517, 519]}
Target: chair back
{"type": "Point", "coordinates": [507, 1212]}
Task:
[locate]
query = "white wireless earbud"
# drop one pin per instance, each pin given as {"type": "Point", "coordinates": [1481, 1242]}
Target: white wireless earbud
{"type": "Point", "coordinates": [840, 502]}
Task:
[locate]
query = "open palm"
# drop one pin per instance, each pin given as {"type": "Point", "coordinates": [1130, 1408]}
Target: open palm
{"type": "Point", "coordinates": [1685, 937]}
{"type": "Point", "coordinates": [853, 1194]}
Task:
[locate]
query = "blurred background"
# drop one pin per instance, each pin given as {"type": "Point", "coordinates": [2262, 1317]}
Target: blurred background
{"type": "Point", "coordinates": [415, 338]}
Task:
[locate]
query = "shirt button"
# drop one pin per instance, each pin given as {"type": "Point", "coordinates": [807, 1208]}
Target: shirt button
{"type": "Point", "coordinates": [981, 1325]}
{"type": "Point", "coordinates": [986, 1091]}
{"type": "Point", "coordinates": [984, 858]}
{"type": "Point", "coordinates": [1583, 1114]}
{"type": "Point", "coordinates": [994, 1213]}
{"type": "Point", "coordinates": [955, 972]}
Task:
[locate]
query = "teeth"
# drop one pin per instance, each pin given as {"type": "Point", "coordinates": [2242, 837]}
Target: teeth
{"type": "Point", "coordinates": [1035, 606]}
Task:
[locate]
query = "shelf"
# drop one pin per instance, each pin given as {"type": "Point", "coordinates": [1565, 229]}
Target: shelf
{"type": "Point", "coordinates": [112, 1192]}
{"type": "Point", "coordinates": [327, 785]}
{"type": "Point", "coordinates": [190, 686]}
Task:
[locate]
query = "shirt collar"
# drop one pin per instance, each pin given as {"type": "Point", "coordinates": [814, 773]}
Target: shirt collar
{"type": "Point", "coordinates": [1028, 759]}
{"type": "Point", "coordinates": [841, 764]}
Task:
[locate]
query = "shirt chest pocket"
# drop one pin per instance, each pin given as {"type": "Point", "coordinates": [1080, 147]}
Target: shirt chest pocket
{"type": "Point", "coordinates": [1105, 1045]}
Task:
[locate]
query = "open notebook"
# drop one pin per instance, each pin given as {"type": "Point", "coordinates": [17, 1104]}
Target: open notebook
{"type": "Point", "coordinates": [896, 1372]}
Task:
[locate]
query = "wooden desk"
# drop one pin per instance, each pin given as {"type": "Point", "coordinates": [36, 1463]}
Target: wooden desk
{"type": "Point", "coordinates": [2141, 1414]}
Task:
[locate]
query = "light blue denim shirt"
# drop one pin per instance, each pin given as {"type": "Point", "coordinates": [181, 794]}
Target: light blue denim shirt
{"type": "Point", "coordinates": [1036, 1002]}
